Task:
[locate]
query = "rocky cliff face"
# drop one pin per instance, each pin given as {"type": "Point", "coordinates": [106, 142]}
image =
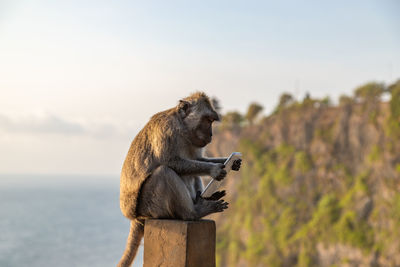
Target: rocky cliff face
{"type": "Point", "coordinates": [319, 186]}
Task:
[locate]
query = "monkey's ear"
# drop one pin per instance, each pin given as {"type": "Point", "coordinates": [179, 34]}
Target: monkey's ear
{"type": "Point", "coordinates": [183, 108]}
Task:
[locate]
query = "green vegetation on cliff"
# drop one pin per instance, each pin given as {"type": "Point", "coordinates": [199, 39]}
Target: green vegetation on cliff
{"type": "Point", "coordinates": [319, 185]}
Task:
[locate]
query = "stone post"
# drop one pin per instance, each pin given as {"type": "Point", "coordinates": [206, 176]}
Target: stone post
{"type": "Point", "coordinates": [179, 243]}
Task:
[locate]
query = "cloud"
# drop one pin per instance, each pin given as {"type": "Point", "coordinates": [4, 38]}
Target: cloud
{"type": "Point", "coordinates": [52, 124]}
{"type": "Point", "coordinates": [47, 143]}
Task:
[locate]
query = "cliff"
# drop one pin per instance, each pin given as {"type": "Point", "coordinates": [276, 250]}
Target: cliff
{"type": "Point", "coordinates": [319, 186]}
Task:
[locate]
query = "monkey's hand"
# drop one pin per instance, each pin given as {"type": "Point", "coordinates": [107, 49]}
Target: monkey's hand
{"type": "Point", "coordinates": [217, 171]}
{"type": "Point", "coordinates": [217, 195]}
{"type": "Point", "coordinates": [236, 164]}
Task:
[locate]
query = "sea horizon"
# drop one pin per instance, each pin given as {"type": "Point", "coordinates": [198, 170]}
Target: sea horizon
{"type": "Point", "coordinates": [61, 220]}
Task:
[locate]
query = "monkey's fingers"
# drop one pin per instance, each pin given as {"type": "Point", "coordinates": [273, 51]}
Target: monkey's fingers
{"type": "Point", "coordinates": [222, 202]}
{"type": "Point", "coordinates": [221, 175]}
{"type": "Point", "coordinates": [236, 164]}
{"type": "Point", "coordinates": [220, 205]}
{"type": "Point", "coordinates": [224, 206]}
{"type": "Point", "coordinates": [220, 194]}
{"type": "Point", "coordinates": [217, 195]}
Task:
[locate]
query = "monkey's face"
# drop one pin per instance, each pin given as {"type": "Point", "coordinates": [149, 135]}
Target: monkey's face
{"type": "Point", "coordinates": [198, 118]}
{"type": "Point", "coordinates": [202, 133]}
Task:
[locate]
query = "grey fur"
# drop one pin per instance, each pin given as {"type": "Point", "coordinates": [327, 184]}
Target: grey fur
{"type": "Point", "coordinates": [160, 175]}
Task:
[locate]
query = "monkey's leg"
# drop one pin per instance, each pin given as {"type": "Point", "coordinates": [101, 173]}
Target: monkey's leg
{"type": "Point", "coordinates": [164, 195]}
{"type": "Point", "coordinates": [198, 186]}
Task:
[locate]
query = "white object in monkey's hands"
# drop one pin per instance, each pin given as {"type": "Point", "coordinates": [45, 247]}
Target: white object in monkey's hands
{"type": "Point", "coordinates": [213, 185]}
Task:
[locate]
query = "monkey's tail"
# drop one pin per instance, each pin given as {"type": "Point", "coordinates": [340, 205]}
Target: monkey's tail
{"type": "Point", "coordinates": [135, 236]}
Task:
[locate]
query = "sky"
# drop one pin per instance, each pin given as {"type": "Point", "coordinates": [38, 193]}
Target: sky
{"type": "Point", "coordinates": [78, 79]}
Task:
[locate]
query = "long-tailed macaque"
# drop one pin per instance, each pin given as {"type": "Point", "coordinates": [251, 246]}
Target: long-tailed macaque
{"type": "Point", "coordinates": [160, 175]}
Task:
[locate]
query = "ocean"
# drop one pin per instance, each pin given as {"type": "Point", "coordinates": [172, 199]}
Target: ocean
{"type": "Point", "coordinates": [55, 220]}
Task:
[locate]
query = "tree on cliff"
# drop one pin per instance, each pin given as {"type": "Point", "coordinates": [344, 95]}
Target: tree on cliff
{"type": "Point", "coordinates": [253, 111]}
{"type": "Point", "coordinates": [369, 93]}
{"type": "Point", "coordinates": [232, 120]}
{"type": "Point", "coordinates": [394, 119]}
{"type": "Point", "coordinates": [285, 100]}
{"type": "Point", "coordinates": [345, 100]}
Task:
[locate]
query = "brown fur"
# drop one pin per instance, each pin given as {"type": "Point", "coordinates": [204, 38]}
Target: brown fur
{"type": "Point", "coordinates": [160, 175]}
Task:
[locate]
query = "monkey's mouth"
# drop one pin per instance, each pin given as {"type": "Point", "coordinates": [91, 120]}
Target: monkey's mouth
{"type": "Point", "coordinates": [201, 141]}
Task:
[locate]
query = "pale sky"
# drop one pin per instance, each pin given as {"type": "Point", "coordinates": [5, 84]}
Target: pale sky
{"type": "Point", "coordinates": [78, 79]}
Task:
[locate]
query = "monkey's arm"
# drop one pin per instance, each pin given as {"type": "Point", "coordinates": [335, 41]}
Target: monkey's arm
{"type": "Point", "coordinates": [196, 167]}
{"type": "Point", "coordinates": [213, 160]}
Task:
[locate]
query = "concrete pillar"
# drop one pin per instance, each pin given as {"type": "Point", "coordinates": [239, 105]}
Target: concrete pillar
{"type": "Point", "coordinates": [179, 243]}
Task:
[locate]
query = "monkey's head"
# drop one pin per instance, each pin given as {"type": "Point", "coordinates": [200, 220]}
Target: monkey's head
{"type": "Point", "coordinates": [198, 114]}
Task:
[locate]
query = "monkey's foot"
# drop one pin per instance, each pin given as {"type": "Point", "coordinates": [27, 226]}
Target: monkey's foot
{"type": "Point", "coordinates": [205, 207]}
{"type": "Point", "coordinates": [221, 205]}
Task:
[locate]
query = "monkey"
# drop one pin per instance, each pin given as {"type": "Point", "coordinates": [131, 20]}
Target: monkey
{"type": "Point", "coordinates": [160, 175]}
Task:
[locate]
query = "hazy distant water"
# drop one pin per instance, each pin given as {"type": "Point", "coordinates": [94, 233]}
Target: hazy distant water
{"type": "Point", "coordinates": [61, 221]}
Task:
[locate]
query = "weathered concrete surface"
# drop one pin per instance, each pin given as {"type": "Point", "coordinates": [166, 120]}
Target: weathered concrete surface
{"type": "Point", "coordinates": [179, 243]}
